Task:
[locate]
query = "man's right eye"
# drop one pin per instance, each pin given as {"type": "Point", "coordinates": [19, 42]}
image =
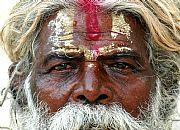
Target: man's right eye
{"type": "Point", "coordinates": [64, 67]}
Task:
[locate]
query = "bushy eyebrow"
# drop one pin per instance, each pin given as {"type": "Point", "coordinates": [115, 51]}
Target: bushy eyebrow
{"type": "Point", "coordinates": [113, 56]}
{"type": "Point", "coordinates": [117, 55]}
{"type": "Point", "coordinates": [61, 56]}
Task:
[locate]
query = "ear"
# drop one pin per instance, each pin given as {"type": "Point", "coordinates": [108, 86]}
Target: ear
{"type": "Point", "coordinates": [16, 78]}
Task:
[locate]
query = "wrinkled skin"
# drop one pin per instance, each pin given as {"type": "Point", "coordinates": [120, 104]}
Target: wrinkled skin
{"type": "Point", "coordinates": [125, 78]}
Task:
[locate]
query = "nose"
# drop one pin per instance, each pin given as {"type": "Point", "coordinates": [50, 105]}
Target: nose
{"type": "Point", "coordinates": [91, 89]}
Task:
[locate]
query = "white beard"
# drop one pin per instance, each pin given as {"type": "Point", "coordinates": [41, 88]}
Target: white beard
{"type": "Point", "coordinates": [86, 117]}
{"type": "Point", "coordinates": [81, 117]}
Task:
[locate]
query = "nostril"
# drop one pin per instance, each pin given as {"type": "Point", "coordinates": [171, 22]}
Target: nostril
{"type": "Point", "coordinates": [81, 98]}
{"type": "Point", "coordinates": [92, 97]}
{"type": "Point", "coordinates": [102, 97]}
{"type": "Point", "coordinates": [84, 99]}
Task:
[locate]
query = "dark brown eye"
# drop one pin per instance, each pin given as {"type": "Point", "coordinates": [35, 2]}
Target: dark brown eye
{"type": "Point", "coordinates": [62, 67]}
{"type": "Point", "coordinates": [123, 67]}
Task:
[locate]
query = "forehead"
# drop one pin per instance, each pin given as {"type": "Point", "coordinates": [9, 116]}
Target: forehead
{"type": "Point", "coordinates": [69, 21]}
{"type": "Point", "coordinates": [92, 28]}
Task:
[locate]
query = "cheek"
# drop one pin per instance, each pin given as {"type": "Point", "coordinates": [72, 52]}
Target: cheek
{"type": "Point", "coordinates": [52, 91]}
{"type": "Point", "coordinates": [132, 94]}
{"type": "Point", "coordinates": [138, 94]}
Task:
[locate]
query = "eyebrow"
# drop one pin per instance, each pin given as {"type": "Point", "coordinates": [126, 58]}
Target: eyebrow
{"type": "Point", "coordinates": [62, 56]}
{"type": "Point", "coordinates": [79, 55]}
{"type": "Point", "coordinates": [121, 54]}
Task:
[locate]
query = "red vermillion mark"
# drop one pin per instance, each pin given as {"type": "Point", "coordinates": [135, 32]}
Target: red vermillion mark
{"type": "Point", "coordinates": [92, 27]}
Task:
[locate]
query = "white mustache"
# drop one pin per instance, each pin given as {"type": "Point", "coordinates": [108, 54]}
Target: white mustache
{"type": "Point", "coordinates": [86, 117]}
{"type": "Point", "coordinates": [81, 117]}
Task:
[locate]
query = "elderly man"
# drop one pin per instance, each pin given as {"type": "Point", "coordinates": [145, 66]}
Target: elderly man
{"type": "Point", "coordinates": [93, 65]}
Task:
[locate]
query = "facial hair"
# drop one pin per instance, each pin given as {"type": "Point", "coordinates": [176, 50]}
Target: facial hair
{"type": "Point", "coordinates": [81, 117]}
{"type": "Point", "coordinates": [87, 117]}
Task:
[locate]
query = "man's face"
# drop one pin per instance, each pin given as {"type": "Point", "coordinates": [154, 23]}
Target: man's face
{"type": "Point", "coordinates": [92, 56]}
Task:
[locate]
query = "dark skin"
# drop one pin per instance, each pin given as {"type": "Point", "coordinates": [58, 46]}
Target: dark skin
{"type": "Point", "coordinates": [122, 77]}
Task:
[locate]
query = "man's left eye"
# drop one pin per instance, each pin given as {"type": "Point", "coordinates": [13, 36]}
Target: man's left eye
{"type": "Point", "coordinates": [123, 67]}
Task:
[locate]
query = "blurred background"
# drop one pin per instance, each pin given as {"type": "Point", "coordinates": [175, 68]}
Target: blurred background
{"type": "Point", "coordinates": [6, 6]}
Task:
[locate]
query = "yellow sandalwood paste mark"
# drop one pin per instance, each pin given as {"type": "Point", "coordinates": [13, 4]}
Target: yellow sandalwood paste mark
{"type": "Point", "coordinates": [119, 25]}
{"type": "Point", "coordinates": [61, 27]}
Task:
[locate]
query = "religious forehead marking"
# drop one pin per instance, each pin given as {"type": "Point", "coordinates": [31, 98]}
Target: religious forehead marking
{"type": "Point", "coordinates": [119, 25]}
{"type": "Point", "coordinates": [61, 27]}
{"type": "Point", "coordinates": [61, 37]}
